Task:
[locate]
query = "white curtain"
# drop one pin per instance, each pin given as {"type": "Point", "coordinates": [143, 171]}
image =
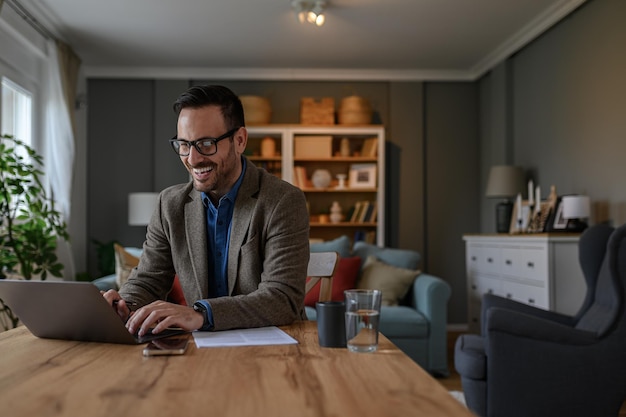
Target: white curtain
{"type": "Point", "coordinates": [58, 141]}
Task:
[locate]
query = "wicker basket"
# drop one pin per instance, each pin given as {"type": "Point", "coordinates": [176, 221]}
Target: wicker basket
{"type": "Point", "coordinates": [354, 110]}
{"type": "Point", "coordinates": [317, 113]}
{"type": "Point", "coordinates": [257, 110]}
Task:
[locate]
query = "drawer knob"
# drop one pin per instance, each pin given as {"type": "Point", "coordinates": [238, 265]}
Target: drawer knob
{"type": "Point", "coordinates": [490, 260]}
{"type": "Point", "coordinates": [531, 301]}
{"type": "Point", "coordinates": [531, 264]}
{"type": "Point", "coordinates": [473, 258]}
{"type": "Point", "coordinates": [489, 291]}
{"type": "Point", "coordinates": [509, 295]}
{"type": "Point", "coordinates": [508, 262]}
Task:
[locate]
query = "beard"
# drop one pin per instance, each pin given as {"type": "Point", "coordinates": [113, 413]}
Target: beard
{"type": "Point", "coordinates": [221, 176]}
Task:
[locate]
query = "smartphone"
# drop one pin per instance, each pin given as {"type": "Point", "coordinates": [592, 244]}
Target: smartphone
{"type": "Point", "coordinates": [166, 346]}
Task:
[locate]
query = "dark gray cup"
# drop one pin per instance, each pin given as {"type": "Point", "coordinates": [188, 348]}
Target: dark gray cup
{"type": "Point", "coordinates": [331, 325]}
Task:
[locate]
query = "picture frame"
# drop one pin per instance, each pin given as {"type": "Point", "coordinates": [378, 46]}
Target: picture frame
{"type": "Point", "coordinates": [362, 176]}
{"type": "Point", "coordinates": [556, 222]}
{"type": "Point", "coordinates": [520, 220]}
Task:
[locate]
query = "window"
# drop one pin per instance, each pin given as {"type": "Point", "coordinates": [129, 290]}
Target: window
{"type": "Point", "coordinates": [17, 111]}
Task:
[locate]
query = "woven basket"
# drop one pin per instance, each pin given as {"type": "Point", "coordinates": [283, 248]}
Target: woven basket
{"type": "Point", "coordinates": [257, 110]}
{"type": "Point", "coordinates": [354, 110]}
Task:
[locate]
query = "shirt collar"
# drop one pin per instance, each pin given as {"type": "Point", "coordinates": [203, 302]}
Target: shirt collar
{"type": "Point", "coordinates": [232, 194]}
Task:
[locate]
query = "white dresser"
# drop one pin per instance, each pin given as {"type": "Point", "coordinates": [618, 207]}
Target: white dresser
{"type": "Point", "coordinates": [537, 269]}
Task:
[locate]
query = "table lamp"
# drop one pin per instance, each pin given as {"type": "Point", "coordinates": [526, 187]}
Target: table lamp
{"type": "Point", "coordinates": [505, 181]}
{"type": "Point", "coordinates": [140, 208]}
{"type": "Point", "coordinates": [576, 209]}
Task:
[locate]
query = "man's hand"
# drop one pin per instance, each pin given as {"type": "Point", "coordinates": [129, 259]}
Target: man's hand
{"type": "Point", "coordinates": [121, 307]}
{"type": "Point", "coordinates": [160, 315]}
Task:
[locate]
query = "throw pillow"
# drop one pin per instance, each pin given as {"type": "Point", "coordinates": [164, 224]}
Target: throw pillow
{"type": "Point", "coordinates": [124, 264]}
{"type": "Point", "coordinates": [344, 279]}
{"type": "Point", "coordinates": [394, 282]}
{"type": "Point", "coordinates": [176, 295]}
{"type": "Point", "coordinates": [341, 245]}
{"type": "Point", "coordinates": [402, 258]}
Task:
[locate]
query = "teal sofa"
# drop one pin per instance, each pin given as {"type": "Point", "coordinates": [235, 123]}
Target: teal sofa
{"type": "Point", "coordinates": [417, 325]}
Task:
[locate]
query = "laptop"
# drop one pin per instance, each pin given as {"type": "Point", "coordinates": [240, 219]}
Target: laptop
{"type": "Point", "coordinates": [69, 310]}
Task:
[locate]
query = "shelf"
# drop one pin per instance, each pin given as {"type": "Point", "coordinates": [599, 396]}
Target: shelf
{"type": "Point", "coordinates": [354, 159]}
{"type": "Point", "coordinates": [338, 190]}
{"type": "Point", "coordinates": [343, 224]}
{"type": "Point", "coordinates": [263, 158]}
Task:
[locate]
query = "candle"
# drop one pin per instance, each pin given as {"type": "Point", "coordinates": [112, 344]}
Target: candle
{"type": "Point", "coordinates": [538, 198]}
{"type": "Point", "coordinates": [530, 192]}
{"type": "Point", "coordinates": [519, 209]}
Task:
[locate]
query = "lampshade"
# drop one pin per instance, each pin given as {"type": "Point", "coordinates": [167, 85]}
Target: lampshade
{"type": "Point", "coordinates": [576, 206]}
{"type": "Point", "coordinates": [140, 208]}
{"type": "Point", "coordinates": [505, 181]}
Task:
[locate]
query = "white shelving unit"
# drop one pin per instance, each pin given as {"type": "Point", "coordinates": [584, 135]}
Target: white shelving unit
{"type": "Point", "coordinates": [320, 199]}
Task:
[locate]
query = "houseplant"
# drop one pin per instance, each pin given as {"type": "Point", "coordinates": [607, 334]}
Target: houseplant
{"type": "Point", "coordinates": [29, 225]}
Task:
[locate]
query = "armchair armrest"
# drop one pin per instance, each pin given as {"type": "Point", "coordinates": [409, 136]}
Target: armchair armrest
{"type": "Point", "coordinates": [491, 300]}
{"type": "Point", "coordinates": [523, 325]}
{"type": "Point", "coordinates": [430, 298]}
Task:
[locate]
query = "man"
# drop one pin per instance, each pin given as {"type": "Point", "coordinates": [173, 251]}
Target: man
{"type": "Point", "coordinates": [236, 236]}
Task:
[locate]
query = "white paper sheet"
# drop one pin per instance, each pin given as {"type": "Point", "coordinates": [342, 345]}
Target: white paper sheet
{"type": "Point", "coordinates": [243, 337]}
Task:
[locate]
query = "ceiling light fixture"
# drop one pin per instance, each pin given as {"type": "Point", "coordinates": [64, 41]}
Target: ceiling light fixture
{"type": "Point", "coordinates": [310, 11]}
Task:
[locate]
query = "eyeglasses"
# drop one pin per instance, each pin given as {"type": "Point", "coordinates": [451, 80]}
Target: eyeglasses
{"type": "Point", "coordinates": [204, 146]}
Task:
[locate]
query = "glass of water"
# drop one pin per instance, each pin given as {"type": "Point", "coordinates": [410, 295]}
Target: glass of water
{"type": "Point", "coordinates": [362, 318]}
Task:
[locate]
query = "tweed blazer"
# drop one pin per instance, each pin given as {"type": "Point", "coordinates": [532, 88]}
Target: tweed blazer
{"type": "Point", "coordinates": [267, 257]}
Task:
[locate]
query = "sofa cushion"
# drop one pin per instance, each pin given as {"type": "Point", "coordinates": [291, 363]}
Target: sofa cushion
{"type": "Point", "coordinates": [344, 279]}
{"type": "Point", "coordinates": [125, 260]}
{"type": "Point", "coordinates": [402, 258]}
{"type": "Point", "coordinates": [403, 322]}
{"type": "Point", "coordinates": [394, 282]}
{"type": "Point", "coordinates": [341, 245]}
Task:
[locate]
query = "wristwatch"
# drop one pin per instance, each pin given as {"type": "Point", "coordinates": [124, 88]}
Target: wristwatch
{"type": "Point", "coordinates": [202, 309]}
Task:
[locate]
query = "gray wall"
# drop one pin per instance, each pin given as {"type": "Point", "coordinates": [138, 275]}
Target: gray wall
{"type": "Point", "coordinates": [432, 133]}
{"type": "Point", "coordinates": [566, 98]}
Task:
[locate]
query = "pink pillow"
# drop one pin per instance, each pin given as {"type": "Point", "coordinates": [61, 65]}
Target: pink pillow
{"type": "Point", "coordinates": [176, 294]}
{"type": "Point", "coordinates": [345, 279]}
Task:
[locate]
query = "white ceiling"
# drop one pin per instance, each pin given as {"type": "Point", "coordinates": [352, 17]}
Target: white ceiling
{"type": "Point", "coordinates": [399, 39]}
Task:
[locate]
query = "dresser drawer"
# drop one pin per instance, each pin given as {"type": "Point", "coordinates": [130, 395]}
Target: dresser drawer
{"type": "Point", "coordinates": [528, 263]}
{"type": "Point", "coordinates": [484, 259]}
{"type": "Point", "coordinates": [536, 296]}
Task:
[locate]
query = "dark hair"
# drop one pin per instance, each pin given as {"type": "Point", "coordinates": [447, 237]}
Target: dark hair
{"type": "Point", "coordinates": [213, 95]}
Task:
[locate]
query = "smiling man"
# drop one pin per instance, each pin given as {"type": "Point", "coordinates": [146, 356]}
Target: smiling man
{"type": "Point", "coordinates": [236, 236]}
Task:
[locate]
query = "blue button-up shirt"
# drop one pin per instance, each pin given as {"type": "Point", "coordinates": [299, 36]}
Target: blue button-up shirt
{"type": "Point", "coordinates": [219, 220]}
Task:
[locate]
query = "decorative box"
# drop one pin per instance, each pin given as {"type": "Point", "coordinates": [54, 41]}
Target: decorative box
{"type": "Point", "coordinates": [313, 146]}
{"type": "Point", "coordinates": [317, 112]}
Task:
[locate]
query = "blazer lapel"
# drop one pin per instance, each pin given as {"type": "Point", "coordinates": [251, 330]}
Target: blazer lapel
{"type": "Point", "coordinates": [242, 215]}
{"type": "Point", "coordinates": [195, 228]}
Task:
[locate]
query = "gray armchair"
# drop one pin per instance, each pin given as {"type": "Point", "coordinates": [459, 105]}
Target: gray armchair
{"type": "Point", "coordinates": [531, 362]}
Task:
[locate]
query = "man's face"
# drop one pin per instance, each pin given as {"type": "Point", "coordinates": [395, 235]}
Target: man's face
{"type": "Point", "coordinates": [217, 173]}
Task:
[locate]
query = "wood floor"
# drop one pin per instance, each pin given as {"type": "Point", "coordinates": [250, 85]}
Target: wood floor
{"type": "Point", "coordinates": [453, 382]}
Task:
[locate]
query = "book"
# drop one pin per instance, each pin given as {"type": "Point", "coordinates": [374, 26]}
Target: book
{"type": "Point", "coordinates": [356, 212]}
{"type": "Point", "coordinates": [365, 207]}
{"type": "Point", "coordinates": [299, 177]}
{"type": "Point", "coordinates": [367, 217]}
{"type": "Point", "coordinates": [370, 147]}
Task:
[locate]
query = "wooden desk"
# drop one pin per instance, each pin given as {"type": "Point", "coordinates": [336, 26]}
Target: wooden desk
{"type": "Point", "coordinates": [42, 377]}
